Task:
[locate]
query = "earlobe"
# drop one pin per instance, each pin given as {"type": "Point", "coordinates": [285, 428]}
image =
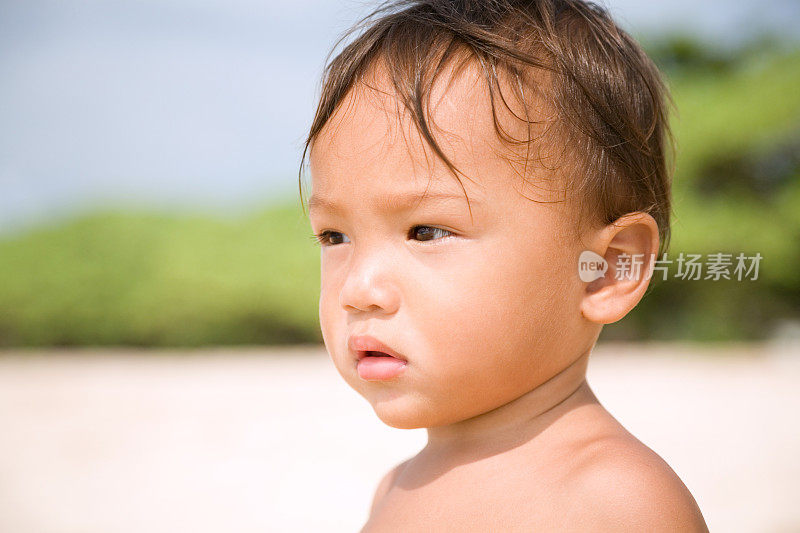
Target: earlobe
{"type": "Point", "coordinates": [628, 246]}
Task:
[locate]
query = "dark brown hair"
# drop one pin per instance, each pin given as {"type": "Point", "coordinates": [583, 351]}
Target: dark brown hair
{"type": "Point", "coordinates": [610, 101]}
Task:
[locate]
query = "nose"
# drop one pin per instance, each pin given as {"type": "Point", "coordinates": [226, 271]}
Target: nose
{"type": "Point", "coordinates": [370, 284]}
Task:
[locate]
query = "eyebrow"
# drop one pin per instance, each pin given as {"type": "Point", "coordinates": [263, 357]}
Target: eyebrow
{"type": "Point", "coordinates": [397, 202]}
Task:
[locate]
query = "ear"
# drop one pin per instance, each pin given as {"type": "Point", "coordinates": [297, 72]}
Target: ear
{"type": "Point", "coordinates": [629, 246]}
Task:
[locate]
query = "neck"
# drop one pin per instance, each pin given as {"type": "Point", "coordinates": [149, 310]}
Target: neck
{"type": "Point", "coordinates": [520, 420]}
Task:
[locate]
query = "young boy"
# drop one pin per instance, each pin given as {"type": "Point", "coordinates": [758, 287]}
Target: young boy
{"type": "Point", "coordinates": [463, 156]}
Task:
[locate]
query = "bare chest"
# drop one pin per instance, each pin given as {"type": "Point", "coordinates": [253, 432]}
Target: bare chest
{"type": "Point", "coordinates": [495, 501]}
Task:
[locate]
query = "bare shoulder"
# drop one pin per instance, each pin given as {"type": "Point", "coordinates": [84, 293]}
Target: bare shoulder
{"type": "Point", "coordinates": [386, 484]}
{"type": "Point", "coordinates": [622, 485]}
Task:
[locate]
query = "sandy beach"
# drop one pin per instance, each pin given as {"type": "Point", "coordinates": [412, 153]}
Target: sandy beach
{"type": "Point", "coordinates": [272, 439]}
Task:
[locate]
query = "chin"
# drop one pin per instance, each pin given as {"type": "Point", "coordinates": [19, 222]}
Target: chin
{"type": "Point", "coordinates": [401, 413]}
{"type": "Point", "coordinates": [401, 420]}
{"type": "Point", "coordinates": [406, 413]}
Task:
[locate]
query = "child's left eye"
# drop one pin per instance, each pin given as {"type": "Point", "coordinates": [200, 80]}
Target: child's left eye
{"type": "Point", "coordinates": [419, 233]}
{"type": "Point", "coordinates": [428, 233]}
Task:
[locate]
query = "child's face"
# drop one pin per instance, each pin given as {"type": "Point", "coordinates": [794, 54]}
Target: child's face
{"type": "Point", "coordinates": [482, 315]}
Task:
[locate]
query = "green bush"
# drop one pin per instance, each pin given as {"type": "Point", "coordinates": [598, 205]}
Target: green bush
{"type": "Point", "coordinates": [156, 280]}
{"type": "Point", "coordinates": [177, 280]}
{"type": "Point", "coordinates": [736, 189]}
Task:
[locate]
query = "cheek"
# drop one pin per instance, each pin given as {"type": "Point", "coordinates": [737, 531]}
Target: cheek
{"type": "Point", "coordinates": [492, 340]}
{"type": "Point", "coordinates": [329, 316]}
{"type": "Point", "coordinates": [331, 273]}
{"type": "Point", "coordinates": [508, 290]}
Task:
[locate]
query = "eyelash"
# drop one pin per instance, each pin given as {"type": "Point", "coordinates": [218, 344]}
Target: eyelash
{"type": "Point", "coordinates": [322, 238]}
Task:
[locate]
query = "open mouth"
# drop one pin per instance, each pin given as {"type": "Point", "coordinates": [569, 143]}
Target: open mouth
{"type": "Point", "coordinates": [375, 361]}
{"type": "Point", "coordinates": [374, 353]}
{"type": "Point", "coordinates": [378, 366]}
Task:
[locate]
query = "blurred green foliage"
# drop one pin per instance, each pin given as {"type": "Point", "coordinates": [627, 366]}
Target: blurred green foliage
{"type": "Point", "coordinates": [178, 280]}
{"type": "Point", "coordinates": [155, 280]}
{"type": "Point", "coordinates": [736, 189]}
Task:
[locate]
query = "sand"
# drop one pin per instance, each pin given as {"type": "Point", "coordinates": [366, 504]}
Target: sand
{"type": "Point", "coordinates": [273, 440]}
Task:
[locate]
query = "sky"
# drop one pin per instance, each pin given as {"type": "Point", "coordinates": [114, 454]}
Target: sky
{"type": "Point", "coordinates": [204, 104]}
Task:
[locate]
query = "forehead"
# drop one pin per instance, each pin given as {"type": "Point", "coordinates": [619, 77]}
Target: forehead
{"type": "Point", "coordinates": [372, 142]}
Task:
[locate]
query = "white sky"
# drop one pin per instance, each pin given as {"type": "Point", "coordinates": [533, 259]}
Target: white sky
{"type": "Point", "coordinates": [179, 103]}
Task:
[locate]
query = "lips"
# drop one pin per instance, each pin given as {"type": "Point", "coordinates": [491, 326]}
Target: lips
{"type": "Point", "coordinates": [374, 360]}
{"type": "Point", "coordinates": [366, 346]}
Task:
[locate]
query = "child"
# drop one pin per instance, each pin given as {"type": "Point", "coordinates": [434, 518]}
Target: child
{"type": "Point", "coordinates": [463, 155]}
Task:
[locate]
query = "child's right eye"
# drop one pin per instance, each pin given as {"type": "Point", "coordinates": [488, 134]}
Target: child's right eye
{"type": "Point", "coordinates": [328, 238]}
{"type": "Point", "coordinates": [332, 238]}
